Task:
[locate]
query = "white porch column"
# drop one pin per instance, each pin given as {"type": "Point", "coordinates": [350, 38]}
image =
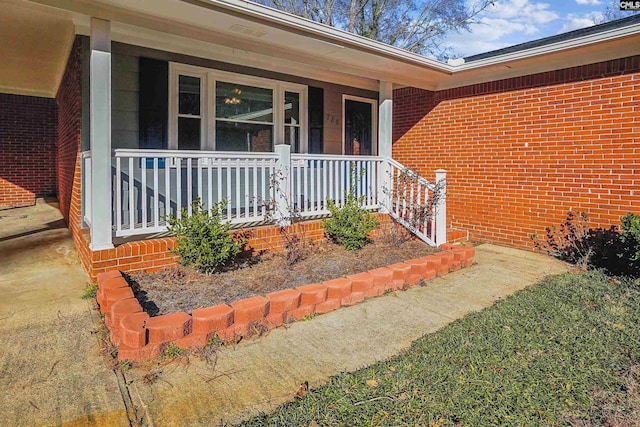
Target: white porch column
{"type": "Point", "coordinates": [385, 127]}
{"type": "Point", "coordinates": [100, 117]}
{"type": "Point", "coordinates": [441, 208]}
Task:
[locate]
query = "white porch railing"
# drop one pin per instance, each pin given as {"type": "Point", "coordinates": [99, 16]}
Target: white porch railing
{"type": "Point", "coordinates": [318, 178]}
{"type": "Point", "coordinates": [416, 203]}
{"type": "Point", "coordinates": [148, 185]}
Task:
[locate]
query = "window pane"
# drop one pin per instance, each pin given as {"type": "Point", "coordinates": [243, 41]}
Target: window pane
{"type": "Point", "coordinates": [188, 133]}
{"type": "Point", "coordinates": [189, 95]}
{"type": "Point", "coordinates": [243, 137]}
{"type": "Point", "coordinates": [292, 108]}
{"type": "Point", "coordinates": [292, 138]}
{"type": "Point", "coordinates": [239, 102]}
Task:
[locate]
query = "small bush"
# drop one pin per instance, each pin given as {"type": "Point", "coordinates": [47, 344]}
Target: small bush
{"type": "Point", "coordinates": [631, 236]}
{"type": "Point", "coordinates": [203, 240]}
{"type": "Point", "coordinates": [350, 224]}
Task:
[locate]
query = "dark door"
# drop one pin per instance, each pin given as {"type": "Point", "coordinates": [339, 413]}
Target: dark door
{"type": "Point", "coordinates": [358, 127]}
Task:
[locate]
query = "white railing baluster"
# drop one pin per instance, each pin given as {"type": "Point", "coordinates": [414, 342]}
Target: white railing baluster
{"type": "Point", "coordinates": [131, 195]}
{"type": "Point", "coordinates": [237, 200]}
{"type": "Point", "coordinates": [156, 194]}
{"type": "Point", "coordinates": [246, 190]}
{"type": "Point", "coordinates": [318, 164]}
{"type": "Point", "coordinates": [219, 172]}
{"type": "Point", "coordinates": [255, 187]}
{"type": "Point", "coordinates": [199, 179]}
{"type": "Point", "coordinates": [189, 187]}
{"type": "Point", "coordinates": [307, 192]}
{"type": "Point", "coordinates": [264, 188]}
{"type": "Point", "coordinates": [179, 188]}
{"type": "Point", "coordinates": [298, 177]}
{"type": "Point", "coordinates": [229, 200]}
{"type": "Point", "coordinates": [118, 195]}
{"type": "Point", "coordinates": [312, 186]}
{"type": "Point", "coordinates": [324, 187]}
{"type": "Point", "coordinates": [209, 185]}
{"type": "Point", "coordinates": [143, 185]}
{"type": "Point", "coordinates": [167, 187]}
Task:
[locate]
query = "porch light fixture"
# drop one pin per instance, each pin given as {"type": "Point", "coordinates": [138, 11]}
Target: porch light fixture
{"type": "Point", "coordinates": [234, 100]}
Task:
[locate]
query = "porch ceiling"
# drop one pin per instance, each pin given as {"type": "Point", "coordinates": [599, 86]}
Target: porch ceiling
{"type": "Point", "coordinates": [34, 45]}
{"type": "Point", "coordinates": [244, 33]}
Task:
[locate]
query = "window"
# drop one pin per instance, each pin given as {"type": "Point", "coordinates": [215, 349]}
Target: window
{"type": "Point", "coordinates": [189, 112]}
{"type": "Point", "coordinates": [216, 110]}
{"type": "Point", "coordinates": [244, 118]}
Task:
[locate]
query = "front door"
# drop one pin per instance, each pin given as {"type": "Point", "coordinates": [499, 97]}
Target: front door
{"type": "Point", "coordinates": [359, 126]}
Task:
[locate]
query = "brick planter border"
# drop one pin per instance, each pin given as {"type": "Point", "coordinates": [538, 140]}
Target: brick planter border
{"type": "Point", "coordinates": [140, 337]}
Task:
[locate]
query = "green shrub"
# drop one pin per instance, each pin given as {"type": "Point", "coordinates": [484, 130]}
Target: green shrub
{"type": "Point", "coordinates": [350, 224]}
{"type": "Point", "coordinates": [203, 240]}
{"type": "Point", "coordinates": [631, 237]}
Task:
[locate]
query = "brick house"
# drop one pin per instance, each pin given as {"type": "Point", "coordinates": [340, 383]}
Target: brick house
{"type": "Point", "coordinates": [128, 111]}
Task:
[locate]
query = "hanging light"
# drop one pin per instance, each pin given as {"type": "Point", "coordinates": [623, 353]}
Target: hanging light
{"type": "Point", "coordinates": [234, 100]}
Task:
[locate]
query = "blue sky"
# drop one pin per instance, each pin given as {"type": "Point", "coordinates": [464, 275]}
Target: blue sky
{"type": "Point", "coordinates": [511, 22]}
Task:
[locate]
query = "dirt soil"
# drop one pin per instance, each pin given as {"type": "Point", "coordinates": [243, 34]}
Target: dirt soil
{"type": "Point", "coordinates": [184, 289]}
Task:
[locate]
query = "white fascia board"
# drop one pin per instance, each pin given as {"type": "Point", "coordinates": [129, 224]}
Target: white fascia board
{"type": "Point", "coordinates": [321, 31]}
{"type": "Point", "coordinates": [286, 22]}
{"type": "Point", "coordinates": [552, 48]}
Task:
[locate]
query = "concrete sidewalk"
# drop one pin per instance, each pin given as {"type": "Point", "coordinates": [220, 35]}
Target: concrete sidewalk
{"type": "Point", "coordinates": [52, 372]}
{"type": "Point", "coordinates": [260, 374]}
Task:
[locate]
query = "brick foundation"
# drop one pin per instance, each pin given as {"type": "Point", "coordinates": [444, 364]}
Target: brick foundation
{"type": "Point", "coordinates": [521, 152]}
{"type": "Point", "coordinates": [141, 337]}
{"type": "Point", "coordinates": [27, 149]}
{"type": "Point", "coordinates": [154, 254]}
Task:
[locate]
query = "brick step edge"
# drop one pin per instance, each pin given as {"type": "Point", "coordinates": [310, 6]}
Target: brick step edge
{"type": "Point", "coordinates": [254, 315]}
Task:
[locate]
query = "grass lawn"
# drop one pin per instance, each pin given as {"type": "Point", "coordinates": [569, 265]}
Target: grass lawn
{"type": "Point", "coordinates": [563, 352]}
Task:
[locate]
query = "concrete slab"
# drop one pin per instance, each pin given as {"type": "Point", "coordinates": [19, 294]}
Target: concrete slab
{"type": "Point", "coordinates": [51, 370]}
{"type": "Point", "coordinates": [258, 375]}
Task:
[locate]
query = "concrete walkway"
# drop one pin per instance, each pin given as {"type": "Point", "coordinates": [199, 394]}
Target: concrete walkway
{"type": "Point", "coordinates": [52, 372]}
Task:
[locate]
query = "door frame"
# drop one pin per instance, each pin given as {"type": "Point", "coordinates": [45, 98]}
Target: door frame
{"type": "Point", "coordinates": [374, 120]}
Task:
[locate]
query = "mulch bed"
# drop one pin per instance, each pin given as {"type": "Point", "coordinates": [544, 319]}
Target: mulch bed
{"type": "Point", "coordinates": [184, 289]}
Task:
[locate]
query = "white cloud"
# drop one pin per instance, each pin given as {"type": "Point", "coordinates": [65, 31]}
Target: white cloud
{"type": "Point", "coordinates": [506, 23]}
{"type": "Point", "coordinates": [575, 22]}
{"type": "Point", "coordinates": [589, 2]}
{"type": "Point", "coordinates": [523, 10]}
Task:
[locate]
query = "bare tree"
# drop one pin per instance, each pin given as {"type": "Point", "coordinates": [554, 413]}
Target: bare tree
{"type": "Point", "coordinates": [613, 12]}
{"type": "Point", "coordinates": [415, 25]}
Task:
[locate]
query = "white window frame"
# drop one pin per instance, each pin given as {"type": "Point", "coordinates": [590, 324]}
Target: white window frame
{"type": "Point", "coordinates": [177, 70]}
{"type": "Point", "coordinates": [209, 77]}
{"type": "Point", "coordinates": [374, 121]}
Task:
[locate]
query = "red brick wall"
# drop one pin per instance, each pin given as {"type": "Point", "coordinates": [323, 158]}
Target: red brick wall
{"type": "Point", "coordinates": [27, 149]}
{"type": "Point", "coordinates": [521, 152]}
{"type": "Point", "coordinates": [69, 100]}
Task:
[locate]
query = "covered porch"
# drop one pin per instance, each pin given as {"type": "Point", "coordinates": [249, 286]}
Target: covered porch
{"type": "Point", "coordinates": [165, 129]}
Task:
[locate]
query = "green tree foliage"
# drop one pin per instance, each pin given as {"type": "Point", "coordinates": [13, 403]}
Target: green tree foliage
{"type": "Point", "coordinates": [203, 240]}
